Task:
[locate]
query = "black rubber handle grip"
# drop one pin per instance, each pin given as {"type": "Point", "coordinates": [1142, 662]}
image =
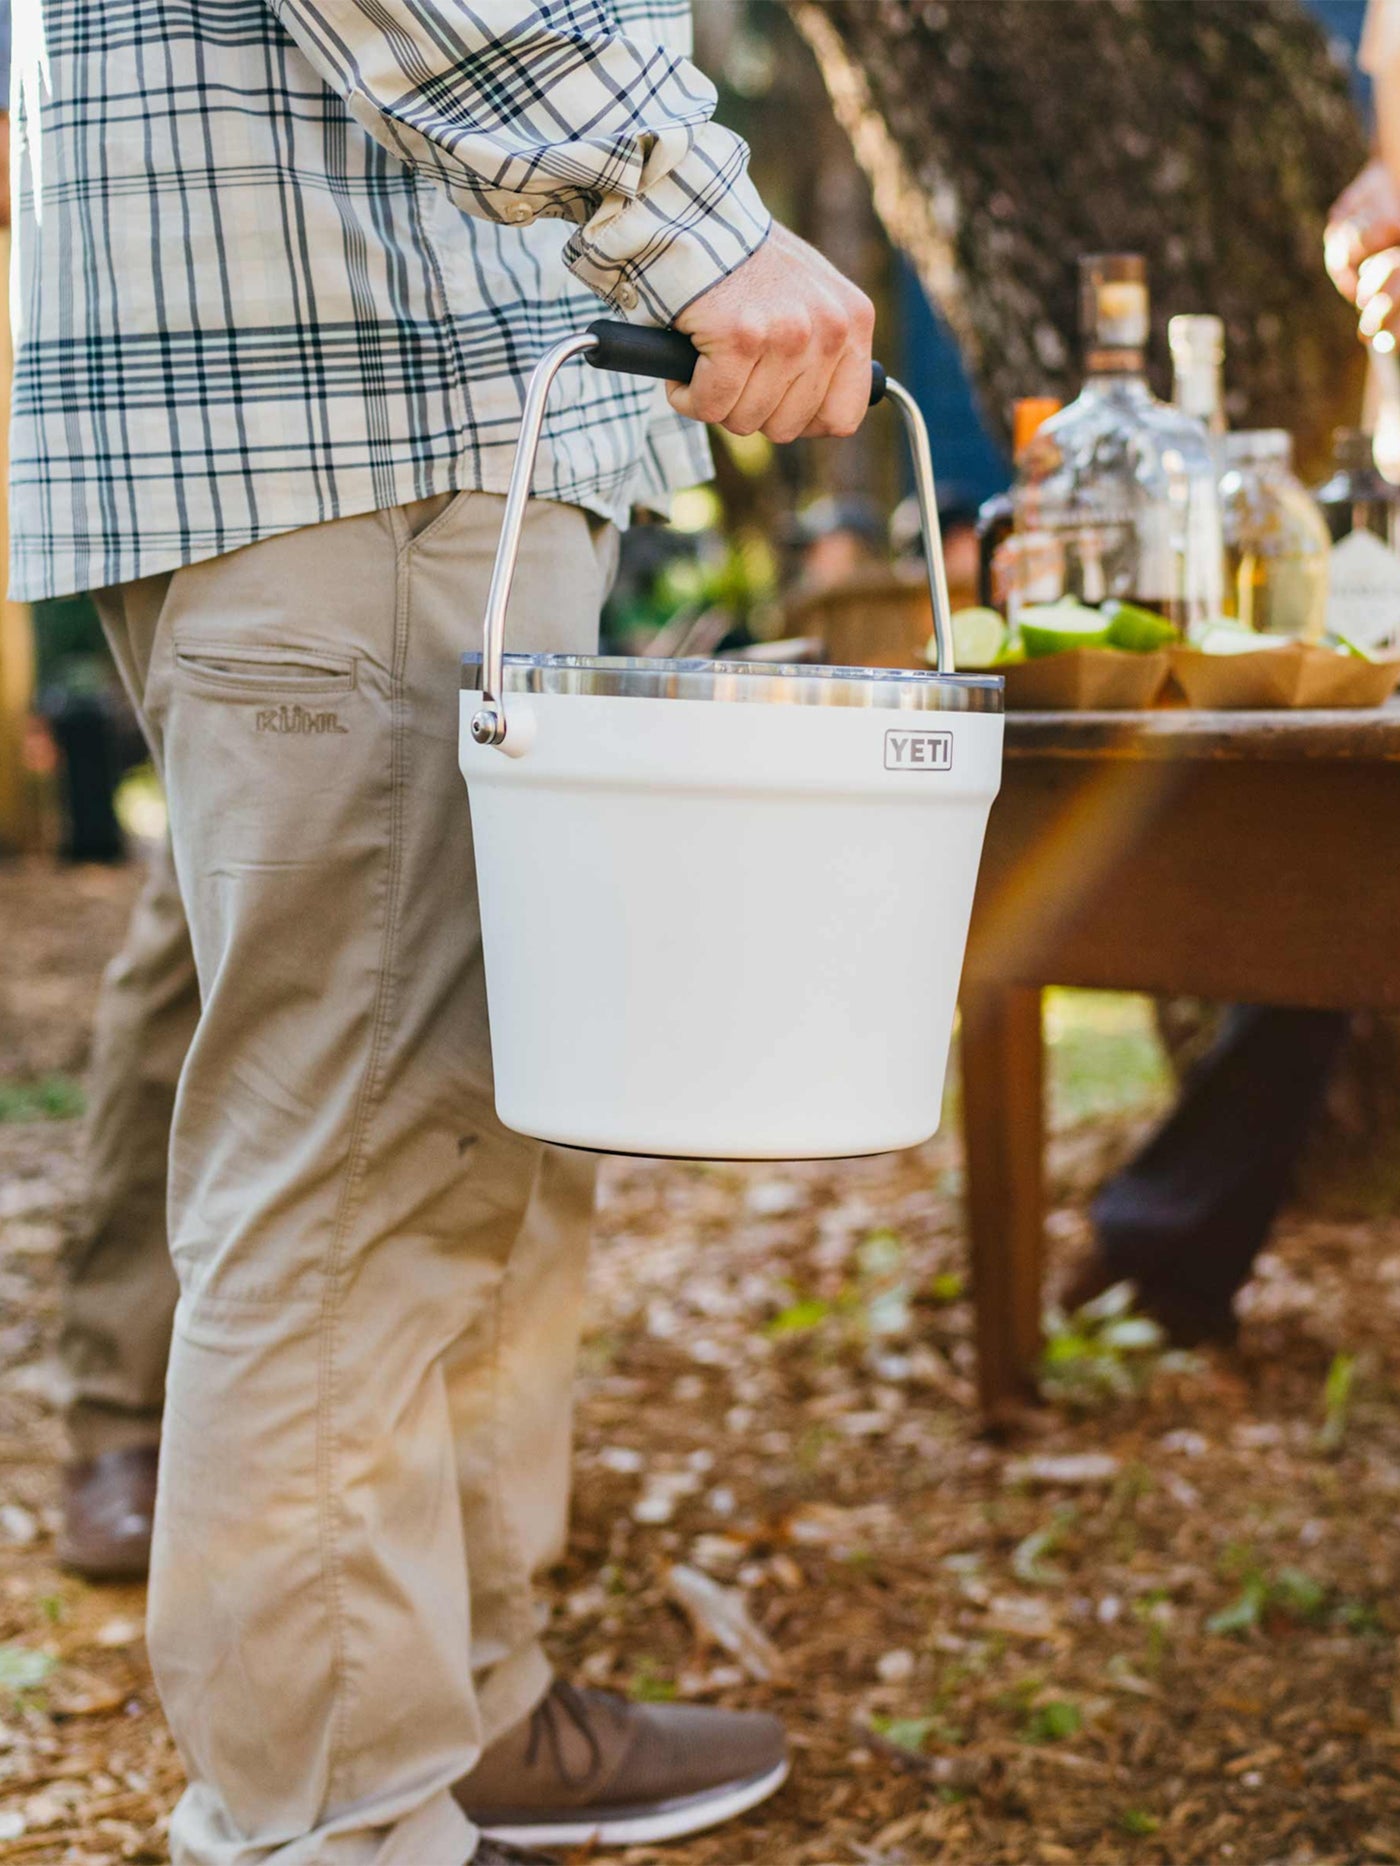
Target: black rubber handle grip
{"type": "Point", "coordinates": [641, 350]}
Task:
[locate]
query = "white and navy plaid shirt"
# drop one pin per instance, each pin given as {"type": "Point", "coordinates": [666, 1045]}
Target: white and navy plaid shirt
{"type": "Point", "coordinates": [280, 261]}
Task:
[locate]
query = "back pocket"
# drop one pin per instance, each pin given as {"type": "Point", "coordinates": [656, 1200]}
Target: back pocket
{"type": "Point", "coordinates": [243, 671]}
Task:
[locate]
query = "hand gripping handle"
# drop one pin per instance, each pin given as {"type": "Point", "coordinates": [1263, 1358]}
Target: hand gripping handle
{"type": "Point", "coordinates": [642, 350]}
{"type": "Point", "coordinates": [637, 350]}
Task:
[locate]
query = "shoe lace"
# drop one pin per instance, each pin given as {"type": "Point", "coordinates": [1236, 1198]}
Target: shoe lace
{"type": "Point", "coordinates": [561, 1706]}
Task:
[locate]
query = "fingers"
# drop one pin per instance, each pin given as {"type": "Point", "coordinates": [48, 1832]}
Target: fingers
{"type": "Point", "coordinates": [789, 385]}
{"type": "Point", "coordinates": [782, 342]}
{"type": "Point", "coordinates": [847, 399]}
{"type": "Point", "coordinates": [1364, 221]}
{"type": "Point", "coordinates": [1341, 256]}
{"type": "Point", "coordinates": [1378, 294]}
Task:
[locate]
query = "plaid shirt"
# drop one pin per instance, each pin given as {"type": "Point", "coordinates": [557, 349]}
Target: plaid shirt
{"type": "Point", "coordinates": [280, 261]}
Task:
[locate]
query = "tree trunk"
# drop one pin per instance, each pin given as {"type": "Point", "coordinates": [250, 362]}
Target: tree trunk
{"type": "Point", "coordinates": [1003, 139]}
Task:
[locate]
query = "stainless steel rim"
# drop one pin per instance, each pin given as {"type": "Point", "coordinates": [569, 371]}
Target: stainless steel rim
{"type": "Point", "coordinates": [488, 725]}
{"type": "Point", "coordinates": [741, 682]}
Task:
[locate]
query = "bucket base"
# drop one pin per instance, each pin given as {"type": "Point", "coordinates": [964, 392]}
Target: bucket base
{"type": "Point", "coordinates": [725, 1157]}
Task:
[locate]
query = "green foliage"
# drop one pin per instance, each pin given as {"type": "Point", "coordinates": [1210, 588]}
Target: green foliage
{"type": "Point", "coordinates": [1287, 1598]}
{"type": "Point", "coordinates": [1030, 1563]}
{"type": "Point", "coordinates": [1053, 1722]}
{"type": "Point", "coordinates": [872, 1305]}
{"type": "Point", "coordinates": [51, 1098]}
{"type": "Point", "coordinates": [799, 1318]}
{"type": "Point", "coordinates": [1138, 1822]}
{"type": "Point", "coordinates": [1104, 1056]}
{"type": "Point", "coordinates": [650, 1685]}
{"type": "Point", "coordinates": [1337, 1393]}
{"type": "Point", "coordinates": [1245, 1612]}
{"type": "Point", "coordinates": [909, 1733]}
{"type": "Point", "coordinates": [1103, 1352]}
{"type": "Point", "coordinates": [22, 1669]}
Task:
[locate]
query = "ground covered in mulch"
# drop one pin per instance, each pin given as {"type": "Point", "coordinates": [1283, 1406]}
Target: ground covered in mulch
{"type": "Point", "coordinates": [1160, 1627]}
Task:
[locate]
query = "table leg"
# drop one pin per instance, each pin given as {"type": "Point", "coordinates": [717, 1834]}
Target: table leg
{"type": "Point", "coordinates": [1004, 1129]}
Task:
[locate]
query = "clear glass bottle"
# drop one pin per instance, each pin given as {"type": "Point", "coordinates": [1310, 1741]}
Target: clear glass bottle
{"type": "Point", "coordinates": [1276, 543]}
{"type": "Point", "coordinates": [1197, 344]}
{"type": "Point", "coordinates": [1121, 485]}
{"type": "Point", "coordinates": [1356, 495]}
{"type": "Point", "coordinates": [1361, 509]}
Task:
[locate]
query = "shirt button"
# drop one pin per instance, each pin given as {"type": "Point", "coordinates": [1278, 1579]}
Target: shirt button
{"type": "Point", "coordinates": [626, 296]}
{"type": "Point", "coordinates": [519, 215]}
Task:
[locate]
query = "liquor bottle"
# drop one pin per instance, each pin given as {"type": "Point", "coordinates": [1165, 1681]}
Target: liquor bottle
{"type": "Point", "coordinates": [1197, 344]}
{"type": "Point", "coordinates": [1275, 547]}
{"type": "Point", "coordinates": [1356, 495]}
{"type": "Point", "coordinates": [1121, 486]}
{"type": "Point", "coordinates": [1276, 544]}
{"type": "Point", "coordinates": [1362, 511]}
{"type": "Point", "coordinates": [996, 517]}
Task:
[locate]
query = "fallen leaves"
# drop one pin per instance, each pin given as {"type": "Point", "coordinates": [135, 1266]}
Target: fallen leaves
{"type": "Point", "coordinates": [721, 1615]}
{"type": "Point", "coordinates": [983, 1659]}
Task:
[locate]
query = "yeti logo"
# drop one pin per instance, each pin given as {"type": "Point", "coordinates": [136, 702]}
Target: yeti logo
{"type": "Point", "coordinates": [918, 751]}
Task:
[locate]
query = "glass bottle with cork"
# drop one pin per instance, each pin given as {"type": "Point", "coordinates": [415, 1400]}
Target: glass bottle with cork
{"type": "Point", "coordinates": [1120, 487]}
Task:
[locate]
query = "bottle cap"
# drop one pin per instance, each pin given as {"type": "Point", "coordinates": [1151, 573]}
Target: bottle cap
{"type": "Point", "coordinates": [1196, 338]}
{"type": "Point", "coordinates": [1028, 416]}
{"type": "Point", "coordinates": [1113, 305]}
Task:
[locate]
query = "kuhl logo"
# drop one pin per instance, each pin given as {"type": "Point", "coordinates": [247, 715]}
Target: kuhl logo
{"type": "Point", "coordinates": [296, 719]}
{"type": "Point", "coordinates": [918, 751]}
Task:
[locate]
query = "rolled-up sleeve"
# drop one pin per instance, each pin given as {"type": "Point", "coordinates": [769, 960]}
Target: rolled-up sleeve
{"type": "Point", "coordinates": [521, 110]}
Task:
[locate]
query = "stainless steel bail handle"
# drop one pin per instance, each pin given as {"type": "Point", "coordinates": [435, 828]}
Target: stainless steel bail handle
{"type": "Point", "coordinates": [488, 725]}
{"type": "Point", "coordinates": [664, 353]}
{"type": "Point", "coordinates": [925, 490]}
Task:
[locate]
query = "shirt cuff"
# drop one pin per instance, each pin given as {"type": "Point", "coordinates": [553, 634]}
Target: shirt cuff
{"type": "Point", "coordinates": [694, 218]}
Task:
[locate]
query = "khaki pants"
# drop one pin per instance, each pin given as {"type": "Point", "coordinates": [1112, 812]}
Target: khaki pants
{"type": "Point", "coordinates": [121, 1289]}
{"type": "Point", "coordinates": [366, 1439]}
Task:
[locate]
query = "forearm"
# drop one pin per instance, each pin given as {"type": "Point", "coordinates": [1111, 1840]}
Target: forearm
{"type": "Point", "coordinates": [1386, 93]}
{"type": "Point", "coordinates": [519, 110]}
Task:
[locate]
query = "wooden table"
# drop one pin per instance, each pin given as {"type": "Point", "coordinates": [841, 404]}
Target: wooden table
{"type": "Point", "coordinates": [1246, 857]}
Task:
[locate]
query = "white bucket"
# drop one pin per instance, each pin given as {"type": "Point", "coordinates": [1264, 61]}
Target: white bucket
{"type": "Point", "coordinates": [724, 906]}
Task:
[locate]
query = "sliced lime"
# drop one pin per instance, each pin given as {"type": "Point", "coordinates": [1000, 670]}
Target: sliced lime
{"type": "Point", "coordinates": [1343, 644]}
{"type": "Point", "coordinates": [979, 635]}
{"type": "Point", "coordinates": [1050, 628]}
{"type": "Point", "coordinates": [1140, 631]}
{"type": "Point", "coordinates": [1232, 638]}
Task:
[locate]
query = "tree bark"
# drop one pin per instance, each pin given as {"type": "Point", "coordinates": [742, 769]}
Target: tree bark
{"type": "Point", "coordinates": [1003, 139]}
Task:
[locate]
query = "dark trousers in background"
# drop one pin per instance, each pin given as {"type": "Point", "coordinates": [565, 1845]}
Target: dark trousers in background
{"type": "Point", "coordinates": [1193, 1209]}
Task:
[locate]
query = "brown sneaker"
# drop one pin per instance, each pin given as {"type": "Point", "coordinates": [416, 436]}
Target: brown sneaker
{"type": "Point", "coordinates": [108, 1505]}
{"type": "Point", "coordinates": [591, 1769]}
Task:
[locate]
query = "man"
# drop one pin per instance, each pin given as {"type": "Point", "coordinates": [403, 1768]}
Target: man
{"type": "Point", "coordinates": [283, 271]}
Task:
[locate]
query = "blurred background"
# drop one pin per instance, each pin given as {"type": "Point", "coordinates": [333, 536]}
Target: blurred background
{"type": "Point", "coordinates": [957, 159]}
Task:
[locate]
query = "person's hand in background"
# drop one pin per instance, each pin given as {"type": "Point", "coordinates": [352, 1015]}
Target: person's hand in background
{"type": "Point", "coordinates": [1363, 223]}
{"type": "Point", "coordinates": [1378, 296]}
{"type": "Point", "coordinates": [785, 345]}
